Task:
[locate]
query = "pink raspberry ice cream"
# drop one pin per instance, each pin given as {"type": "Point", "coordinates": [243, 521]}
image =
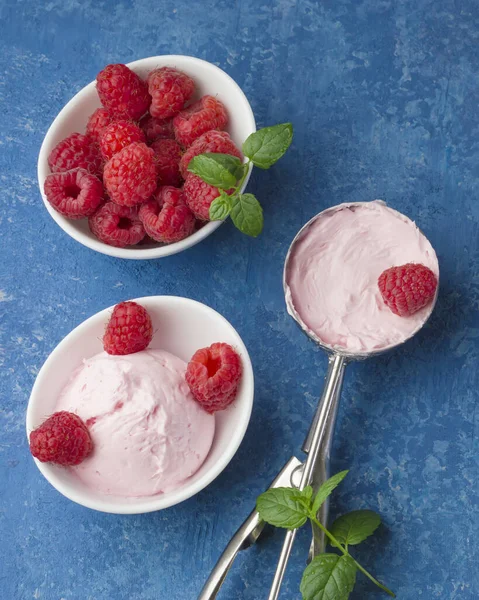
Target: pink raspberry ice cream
{"type": "Point", "coordinates": [332, 276]}
{"type": "Point", "coordinates": [149, 434]}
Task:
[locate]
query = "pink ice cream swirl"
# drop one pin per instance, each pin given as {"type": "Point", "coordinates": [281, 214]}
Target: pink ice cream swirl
{"type": "Point", "coordinates": [148, 432]}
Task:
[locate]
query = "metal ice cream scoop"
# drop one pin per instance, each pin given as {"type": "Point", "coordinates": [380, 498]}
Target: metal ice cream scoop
{"type": "Point", "coordinates": [314, 470]}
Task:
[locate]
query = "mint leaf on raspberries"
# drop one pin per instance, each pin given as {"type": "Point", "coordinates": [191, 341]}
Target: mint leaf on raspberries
{"type": "Point", "coordinates": [212, 170]}
{"type": "Point", "coordinates": [328, 577]}
{"type": "Point", "coordinates": [220, 208]}
{"type": "Point", "coordinates": [247, 214]}
{"type": "Point", "coordinates": [267, 145]}
{"type": "Point", "coordinates": [231, 163]}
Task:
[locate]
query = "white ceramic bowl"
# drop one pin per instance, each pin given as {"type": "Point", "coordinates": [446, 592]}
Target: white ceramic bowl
{"type": "Point", "coordinates": [209, 79]}
{"type": "Point", "coordinates": [181, 327]}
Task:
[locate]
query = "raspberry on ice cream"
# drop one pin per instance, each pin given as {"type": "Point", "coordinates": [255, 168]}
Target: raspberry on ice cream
{"type": "Point", "coordinates": [333, 270]}
{"type": "Point", "coordinates": [122, 92]}
{"type": "Point", "coordinates": [130, 175]}
{"type": "Point", "coordinates": [166, 217]}
{"type": "Point", "coordinates": [77, 151]}
{"type": "Point", "coordinates": [117, 225]}
{"type": "Point", "coordinates": [407, 288]}
{"type": "Point", "coordinates": [129, 329]}
{"type": "Point", "coordinates": [170, 90]}
{"type": "Point", "coordinates": [74, 194]}
{"type": "Point", "coordinates": [218, 142]}
{"type": "Point", "coordinates": [62, 439]}
{"type": "Point", "coordinates": [213, 375]}
{"type": "Point", "coordinates": [202, 116]}
{"type": "Point", "coordinates": [148, 432]}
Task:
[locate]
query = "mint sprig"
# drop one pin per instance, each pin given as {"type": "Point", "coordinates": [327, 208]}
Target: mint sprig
{"type": "Point", "coordinates": [329, 575]}
{"type": "Point", "coordinates": [332, 575]}
{"type": "Point", "coordinates": [227, 173]}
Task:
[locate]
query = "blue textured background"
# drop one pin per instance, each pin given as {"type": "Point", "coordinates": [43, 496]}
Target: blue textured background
{"type": "Point", "coordinates": [384, 98]}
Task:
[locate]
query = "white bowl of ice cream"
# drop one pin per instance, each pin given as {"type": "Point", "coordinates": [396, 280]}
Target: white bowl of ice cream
{"type": "Point", "coordinates": [127, 473]}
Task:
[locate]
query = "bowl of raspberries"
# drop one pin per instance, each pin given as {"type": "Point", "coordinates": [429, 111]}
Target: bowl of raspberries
{"type": "Point", "coordinates": [113, 167]}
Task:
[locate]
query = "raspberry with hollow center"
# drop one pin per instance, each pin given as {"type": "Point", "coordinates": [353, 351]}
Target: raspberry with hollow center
{"type": "Point", "coordinates": [170, 89]}
{"type": "Point", "coordinates": [117, 136]}
{"type": "Point", "coordinates": [199, 195]}
{"type": "Point", "coordinates": [77, 151]}
{"type": "Point", "coordinates": [167, 155]}
{"type": "Point", "coordinates": [213, 375]}
{"type": "Point", "coordinates": [122, 92]}
{"type": "Point", "coordinates": [408, 288]}
{"type": "Point", "coordinates": [202, 116]}
{"type": "Point", "coordinates": [218, 142]}
{"type": "Point", "coordinates": [74, 194]}
{"type": "Point", "coordinates": [130, 175]}
{"type": "Point", "coordinates": [97, 122]}
{"type": "Point", "coordinates": [156, 129]}
{"type": "Point", "coordinates": [166, 218]}
{"type": "Point", "coordinates": [117, 225]}
{"type": "Point", "coordinates": [129, 329]}
{"type": "Point", "coordinates": [62, 439]}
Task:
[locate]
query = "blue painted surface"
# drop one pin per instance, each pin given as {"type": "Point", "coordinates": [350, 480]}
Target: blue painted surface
{"type": "Point", "coordinates": [384, 98]}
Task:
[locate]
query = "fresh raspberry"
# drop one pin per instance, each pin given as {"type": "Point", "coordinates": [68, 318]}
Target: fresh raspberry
{"type": "Point", "coordinates": [62, 439]}
{"type": "Point", "coordinates": [122, 92]}
{"type": "Point", "coordinates": [117, 225]}
{"type": "Point", "coordinates": [167, 156]}
{"type": "Point", "coordinates": [74, 194]}
{"type": "Point", "coordinates": [165, 217]}
{"type": "Point", "coordinates": [129, 329]}
{"type": "Point", "coordinates": [213, 375]}
{"type": "Point", "coordinates": [117, 136]}
{"type": "Point", "coordinates": [199, 195]}
{"type": "Point", "coordinates": [156, 129]}
{"type": "Point", "coordinates": [97, 122]}
{"type": "Point", "coordinates": [408, 288]}
{"type": "Point", "coordinates": [218, 142]}
{"type": "Point", "coordinates": [130, 175]}
{"type": "Point", "coordinates": [76, 152]}
{"type": "Point", "coordinates": [170, 89]}
{"type": "Point", "coordinates": [202, 116]}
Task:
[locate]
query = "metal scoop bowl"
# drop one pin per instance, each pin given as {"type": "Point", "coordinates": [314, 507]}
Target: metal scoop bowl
{"type": "Point", "coordinates": [317, 445]}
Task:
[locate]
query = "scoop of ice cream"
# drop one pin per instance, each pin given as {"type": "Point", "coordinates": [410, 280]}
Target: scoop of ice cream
{"type": "Point", "coordinates": [149, 434]}
{"type": "Point", "coordinates": [333, 270]}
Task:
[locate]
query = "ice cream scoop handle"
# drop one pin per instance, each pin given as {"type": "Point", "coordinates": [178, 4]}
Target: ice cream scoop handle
{"type": "Point", "coordinates": [246, 535]}
{"type": "Point", "coordinates": [329, 397]}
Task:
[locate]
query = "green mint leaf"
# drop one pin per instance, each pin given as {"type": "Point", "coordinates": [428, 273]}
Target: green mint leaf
{"type": "Point", "coordinates": [283, 507]}
{"type": "Point", "coordinates": [355, 527]}
{"type": "Point", "coordinates": [308, 493]}
{"type": "Point", "coordinates": [247, 214]}
{"type": "Point", "coordinates": [220, 208]}
{"type": "Point", "coordinates": [326, 489]}
{"type": "Point", "coordinates": [211, 170]}
{"type": "Point", "coordinates": [231, 163]}
{"type": "Point", "coordinates": [328, 577]}
{"type": "Point", "coordinates": [267, 145]}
